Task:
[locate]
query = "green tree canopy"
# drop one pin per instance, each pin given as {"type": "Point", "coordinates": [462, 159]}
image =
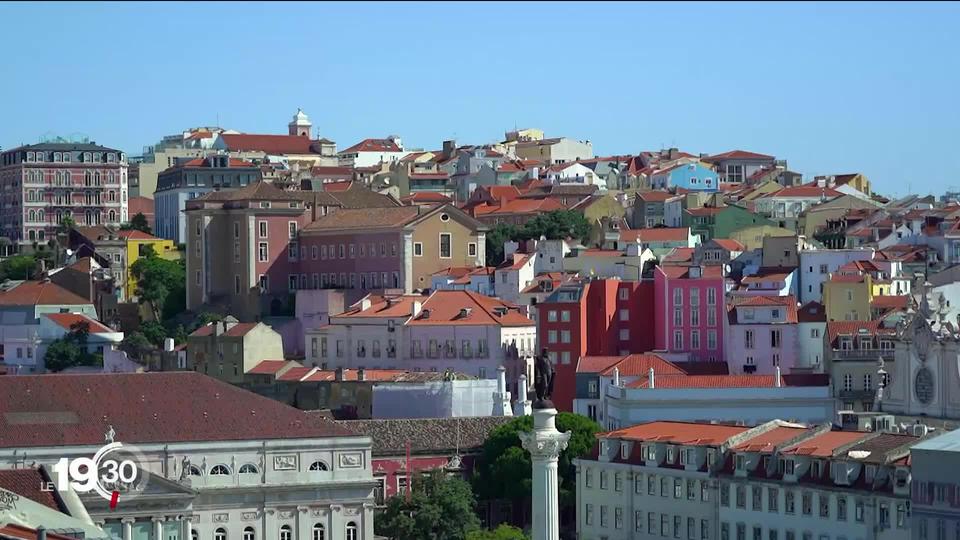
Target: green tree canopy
{"type": "Point", "coordinates": [162, 283]}
{"type": "Point", "coordinates": [18, 267]}
{"type": "Point", "coordinates": [70, 350]}
{"type": "Point", "coordinates": [155, 332]}
{"type": "Point", "coordinates": [440, 508]}
{"type": "Point", "coordinates": [550, 225]}
{"type": "Point", "coordinates": [136, 345]}
{"type": "Point", "coordinates": [137, 223]}
{"type": "Point", "coordinates": [504, 469]}
{"type": "Point", "coordinates": [503, 532]}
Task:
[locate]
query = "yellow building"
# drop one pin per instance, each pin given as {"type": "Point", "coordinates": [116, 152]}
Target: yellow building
{"type": "Point", "coordinates": [752, 237]}
{"type": "Point", "coordinates": [847, 297]}
{"type": "Point", "coordinates": [136, 242]}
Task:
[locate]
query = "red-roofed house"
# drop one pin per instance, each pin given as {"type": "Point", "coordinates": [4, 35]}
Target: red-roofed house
{"type": "Point", "coordinates": [739, 165]}
{"type": "Point", "coordinates": [690, 311]}
{"type": "Point", "coordinates": [456, 330]}
{"type": "Point", "coordinates": [596, 373]}
{"type": "Point", "coordinates": [660, 240]}
{"type": "Point", "coordinates": [762, 334]}
{"type": "Point", "coordinates": [369, 152]}
{"type": "Point", "coordinates": [228, 350]}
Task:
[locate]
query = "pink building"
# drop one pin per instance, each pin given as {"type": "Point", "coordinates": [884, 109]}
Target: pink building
{"type": "Point", "coordinates": [689, 306]}
{"type": "Point", "coordinates": [762, 334]}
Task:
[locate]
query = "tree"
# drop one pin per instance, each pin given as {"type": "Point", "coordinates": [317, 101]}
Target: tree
{"type": "Point", "coordinates": [495, 239]}
{"type": "Point", "coordinates": [18, 267]}
{"type": "Point", "coordinates": [70, 350]}
{"type": "Point", "coordinates": [136, 345]}
{"type": "Point", "coordinates": [440, 508]}
{"type": "Point", "coordinates": [557, 224]}
{"type": "Point", "coordinates": [162, 283]}
{"type": "Point", "coordinates": [154, 331]}
{"type": "Point", "coordinates": [503, 532]}
{"type": "Point", "coordinates": [504, 469]}
{"type": "Point", "coordinates": [137, 223]}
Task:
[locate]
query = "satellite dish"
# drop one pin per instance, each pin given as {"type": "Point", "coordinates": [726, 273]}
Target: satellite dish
{"type": "Point", "coordinates": [69, 252]}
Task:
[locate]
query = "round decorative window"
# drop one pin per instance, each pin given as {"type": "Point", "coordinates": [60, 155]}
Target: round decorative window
{"type": "Point", "coordinates": [923, 385]}
{"type": "Point", "coordinates": [444, 217]}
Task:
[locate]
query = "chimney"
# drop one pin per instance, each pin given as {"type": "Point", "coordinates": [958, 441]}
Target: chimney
{"type": "Point", "coordinates": [339, 373]}
{"type": "Point", "coordinates": [168, 344]}
{"type": "Point", "coordinates": [449, 147]}
{"type": "Point", "coordinates": [41, 533]}
{"type": "Point", "coordinates": [651, 378]}
{"type": "Point", "coordinates": [776, 377]}
{"type": "Point", "coordinates": [616, 376]}
{"type": "Point", "coordinates": [501, 380]}
{"type": "Point", "coordinates": [522, 388]}
{"type": "Point", "coordinates": [415, 309]}
{"type": "Point", "coordinates": [361, 375]}
{"type": "Point", "coordinates": [218, 328]}
{"type": "Point", "coordinates": [465, 312]}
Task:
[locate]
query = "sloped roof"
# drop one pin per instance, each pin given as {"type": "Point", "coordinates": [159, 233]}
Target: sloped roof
{"type": "Point", "coordinates": [366, 218]}
{"type": "Point", "coordinates": [28, 483]}
{"type": "Point", "coordinates": [825, 444]}
{"type": "Point", "coordinates": [729, 244]}
{"type": "Point", "coordinates": [707, 381]}
{"type": "Point", "coordinates": [768, 440]}
{"type": "Point", "coordinates": [426, 435]}
{"type": "Point", "coordinates": [736, 154]}
{"type": "Point", "coordinates": [373, 145]}
{"type": "Point", "coordinates": [268, 144]}
{"type": "Point", "coordinates": [635, 365]}
{"type": "Point", "coordinates": [267, 367]}
{"type": "Point", "coordinates": [34, 293]}
{"type": "Point", "coordinates": [685, 433]}
{"type": "Point", "coordinates": [444, 308]}
{"type": "Point", "coordinates": [655, 196]}
{"type": "Point", "coordinates": [237, 330]}
{"type": "Point", "coordinates": [812, 311]}
{"type": "Point", "coordinates": [67, 320]}
{"type": "Point", "coordinates": [256, 191]}
{"type": "Point", "coordinates": [662, 234]}
{"type": "Point", "coordinates": [160, 407]}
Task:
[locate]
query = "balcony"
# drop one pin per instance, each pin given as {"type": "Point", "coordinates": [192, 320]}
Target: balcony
{"type": "Point", "coordinates": [856, 395]}
{"type": "Point", "coordinates": [862, 355]}
{"type": "Point", "coordinates": [749, 368]}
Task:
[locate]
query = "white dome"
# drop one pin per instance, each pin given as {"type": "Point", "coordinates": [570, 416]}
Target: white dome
{"type": "Point", "coordinates": [301, 118]}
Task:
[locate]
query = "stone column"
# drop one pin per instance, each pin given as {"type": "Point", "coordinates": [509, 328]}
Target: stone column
{"type": "Point", "coordinates": [501, 398]}
{"type": "Point", "coordinates": [186, 528]}
{"type": "Point", "coordinates": [127, 528]}
{"type": "Point", "coordinates": [545, 444]}
{"type": "Point", "coordinates": [157, 527]}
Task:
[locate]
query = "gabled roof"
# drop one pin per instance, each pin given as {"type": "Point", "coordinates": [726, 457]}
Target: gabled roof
{"type": "Point", "coordinates": [807, 192]}
{"type": "Point", "coordinates": [662, 234]}
{"type": "Point", "coordinates": [268, 144]}
{"type": "Point", "coordinates": [204, 162]}
{"type": "Point", "coordinates": [237, 330]}
{"type": "Point", "coordinates": [28, 483]}
{"type": "Point", "coordinates": [812, 311]}
{"type": "Point", "coordinates": [67, 320]}
{"type": "Point", "coordinates": [425, 197]}
{"type": "Point", "coordinates": [825, 444]}
{"type": "Point", "coordinates": [160, 407]}
{"type": "Point", "coordinates": [836, 329]}
{"type": "Point", "coordinates": [366, 218]}
{"type": "Point", "coordinates": [373, 145]}
{"type": "Point", "coordinates": [34, 293]}
{"type": "Point", "coordinates": [426, 435]}
{"type": "Point", "coordinates": [655, 196]}
{"type": "Point", "coordinates": [446, 308]}
{"type": "Point", "coordinates": [639, 365]}
{"type": "Point", "coordinates": [133, 234]}
{"type": "Point", "coordinates": [267, 367]}
{"type": "Point", "coordinates": [256, 191]}
{"type": "Point", "coordinates": [518, 206]}
{"type": "Point", "coordinates": [729, 244]}
{"type": "Point", "coordinates": [678, 255]}
{"type": "Point", "coordinates": [890, 302]}
{"type": "Point", "coordinates": [767, 441]}
{"type": "Point", "coordinates": [736, 154]}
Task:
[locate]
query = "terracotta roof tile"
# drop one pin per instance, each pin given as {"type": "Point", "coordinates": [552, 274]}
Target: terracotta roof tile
{"type": "Point", "coordinates": [825, 444]}
{"type": "Point", "coordinates": [237, 330]}
{"type": "Point", "coordinates": [812, 312]}
{"type": "Point", "coordinates": [729, 244]}
{"type": "Point", "coordinates": [736, 154]}
{"type": "Point", "coordinates": [636, 365]}
{"type": "Point", "coordinates": [366, 218]}
{"type": "Point", "coordinates": [856, 328]}
{"type": "Point", "coordinates": [267, 367]}
{"type": "Point", "coordinates": [166, 407]}
{"type": "Point", "coordinates": [655, 196]}
{"type": "Point", "coordinates": [769, 440]}
{"type": "Point", "coordinates": [45, 293]}
{"type": "Point", "coordinates": [445, 308]}
{"type": "Point", "coordinates": [268, 144]}
{"type": "Point", "coordinates": [707, 381]}
{"type": "Point", "coordinates": [27, 483]}
{"type": "Point", "coordinates": [685, 433]}
{"type": "Point", "coordinates": [67, 320]}
{"type": "Point", "coordinates": [662, 234]}
{"type": "Point", "coordinates": [373, 145]}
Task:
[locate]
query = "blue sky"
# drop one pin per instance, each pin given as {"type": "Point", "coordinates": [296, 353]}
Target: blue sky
{"type": "Point", "coordinates": [832, 88]}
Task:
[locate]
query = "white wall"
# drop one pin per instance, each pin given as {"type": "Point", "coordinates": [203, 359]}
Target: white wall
{"type": "Point", "coordinates": [435, 400]}
{"type": "Point", "coordinates": [810, 275]}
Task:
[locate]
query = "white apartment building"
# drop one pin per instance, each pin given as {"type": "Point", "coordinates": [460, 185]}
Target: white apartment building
{"type": "Point", "coordinates": [816, 265]}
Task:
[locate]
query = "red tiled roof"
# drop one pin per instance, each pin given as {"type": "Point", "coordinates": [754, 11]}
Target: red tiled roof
{"type": "Point", "coordinates": [655, 196]}
{"type": "Point", "coordinates": [267, 367]}
{"type": "Point", "coordinates": [28, 484]}
{"type": "Point", "coordinates": [331, 171]}
{"type": "Point", "coordinates": [678, 255]}
{"type": "Point", "coordinates": [803, 192]}
{"type": "Point", "coordinates": [847, 278]}
{"type": "Point", "coordinates": [367, 218]}
{"type": "Point", "coordinates": [596, 364]}
{"type": "Point", "coordinates": [268, 144]}
{"type": "Point", "coordinates": [760, 278]}
{"type": "Point", "coordinates": [426, 197]}
{"type": "Point", "coordinates": [34, 293]}
{"type": "Point", "coordinates": [445, 309]}
{"type": "Point", "coordinates": [823, 445]}
{"type": "Point", "coordinates": [768, 440]}
{"type": "Point", "coordinates": [295, 373]}
{"type": "Point", "coordinates": [381, 375]}
{"type": "Point", "coordinates": [683, 272]}
{"type": "Point", "coordinates": [519, 206]}
{"type": "Point", "coordinates": [636, 365]}
{"type": "Point", "coordinates": [140, 205]}
{"type": "Point", "coordinates": [859, 266]}
{"type": "Point", "coordinates": [856, 328]}
{"type": "Point", "coordinates": [82, 265]}
{"type": "Point", "coordinates": [164, 407]}
{"type": "Point", "coordinates": [373, 145]}
{"type": "Point", "coordinates": [685, 433]}
{"type": "Point", "coordinates": [662, 234]}
{"type": "Point", "coordinates": [812, 312]}
{"type": "Point", "coordinates": [67, 320]}
{"type": "Point", "coordinates": [515, 263]}
{"type": "Point", "coordinates": [204, 162]}
{"type": "Point", "coordinates": [133, 234]}
{"type": "Point", "coordinates": [729, 244]}
{"type": "Point", "coordinates": [890, 302]}
{"type": "Point", "coordinates": [238, 329]}
{"type": "Point", "coordinates": [736, 154]}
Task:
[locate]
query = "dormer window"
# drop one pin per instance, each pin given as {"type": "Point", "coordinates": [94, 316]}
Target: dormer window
{"type": "Point", "coordinates": [871, 471]}
{"type": "Point", "coordinates": [788, 466]}
{"type": "Point", "coordinates": [624, 450]}
{"type": "Point", "coordinates": [603, 447]}
{"type": "Point", "coordinates": [741, 462]}
{"type": "Point", "coordinates": [670, 456]}
{"type": "Point", "coordinates": [686, 456]}
{"type": "Point", "coordinates": [817, 468]}
{"type": "Point", "coordinates": [651, 453]}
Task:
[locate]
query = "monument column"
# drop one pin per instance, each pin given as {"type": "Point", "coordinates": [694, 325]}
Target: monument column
{"type": "Point", "coordinates": [545, 444]}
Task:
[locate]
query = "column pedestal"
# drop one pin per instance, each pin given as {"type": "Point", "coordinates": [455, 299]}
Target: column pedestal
{"type": "Point", "coordinates": [545, 444]}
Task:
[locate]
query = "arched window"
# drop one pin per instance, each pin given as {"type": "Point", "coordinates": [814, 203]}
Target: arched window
{"type": "Point", "coordinates": [319, 466]}
{"type": "Point", "coordinates": [87, 178]}
{"type": "Point", "coordinates": [40, 216]}
{"type": "Point", "coordinates": [33, 216]}
{"type": "Point", "coordinates": [31, 235]}
{"type": "Point", "coordinates": [40, 235]}
{"type": "Point", "coordinates": [112, 196]}
{"type": "Point", "coordinates": [249, 534]}
{"type": "Point", "coordinates": [66, 177]}
{"type": "Point", "coordinates": [319, 533]}
{"type": "Point", "coordinates": [112, 216]}
{"type": "Point", "coordinates": [351, 531]}
{"type": "Point", "coordinates": [96, 197]}
{"type": "Point", "coordinates": [249, 469]}
{"type": "Point", "coordinates": [219, 470]}
{"type": "Point", "coordinates": [89, 197]}
{"type": "Point", "coordinates": [96, 178]}
{"type": "Point", "coordinates": [194, 535]}
{"type": "Point", "coordinates": [195, 471]}
{"type": "Point", "coordinates": [220, 534]}
{"type": "Point", "coordinates": [286, 533]}
{"type": "Point", "coordinates": [111, 178]}
{"type": "Point", "coordinates": [88, 216]}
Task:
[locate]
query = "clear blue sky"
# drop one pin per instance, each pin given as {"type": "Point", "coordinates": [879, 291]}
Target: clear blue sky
{"type": "Point", "coordinates": [869, 87]}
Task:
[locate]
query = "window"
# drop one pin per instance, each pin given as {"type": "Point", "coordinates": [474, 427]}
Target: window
{"type": "Point", "coordinates": [806, 501]}
{"type": "Point", "coordinates": [220, 534]}
{"type": "Point", "coordinates": [319, 533]}
{"type": "Point", "coordinates": [472, 249]}
{"type": "Point", "coordinates": [824, 506]}
{"type": "Point", "coordinates": [603, 516]}
{"type": "Point", "coordinates": [286, 533]}
{"type": "Point", "coordinates": [588, 514]}
{"type": "Point", "coordinates": [318, 466]}
{"type": "Point", "coordinates": [867, 382]}
{"type": "Point", "coordinates": [565, 336]}
{"type": "Point", "coordinates": [858, 512]}
{"type": "Point", "coordinates": [565, 315]}
{"type": "Point", "coordinates": [445, 247]}
{"type": "Point", "coordinates": [418, 249]}
{"type": "Point", "coordinates": [618, 518]}
{"type": "Point", "coordinates": [775, 339]}
{"type": "Point", "coordinates": [741, 499]}
{"type": "Point", "coordinates": [263, 252]}
{"type": "Point", "coordinates": [748, 339]}
{"type": "Point", "coordinates": [678, 316]}
{"type": "Point", "coordinates": [694, 339]}
{"type": "Point", "coordinates": [677, 339]}
{"type": "Point", "coordinates": [712, 340]}
{"type": "Point", "coordinates": [249, 533]}
{"type": "Point", "coordinates": [651, 484]}
{"type": "Point", "coordinates": [788, 502]}
{"type": "Point", "coordinates": [552, 336]}
{"type": "Point", "coordinates": [263, 229]}
{"type": "Point", "coordinates": [677, 297]}
{"type": "Point", "coordinates": [711, 297]}
{"type": "Point", "coordinates": [351, 531]}
{"type": "Point", "coordinates": [724, 494]}
{"type": "Point", "coordinates": [603, 479]}
{"type": "Point", "coordinates": [677, 488]}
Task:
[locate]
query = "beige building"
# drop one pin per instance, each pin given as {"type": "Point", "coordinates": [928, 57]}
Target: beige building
{"type": "Point", "coordinates": [192, 143]}
{"type": "Point", "coordinates": [555, 151]}
{"type": "Point", "coordinates": [816, 217]}
{"type": "Point", "coordinates": [228, 349]}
